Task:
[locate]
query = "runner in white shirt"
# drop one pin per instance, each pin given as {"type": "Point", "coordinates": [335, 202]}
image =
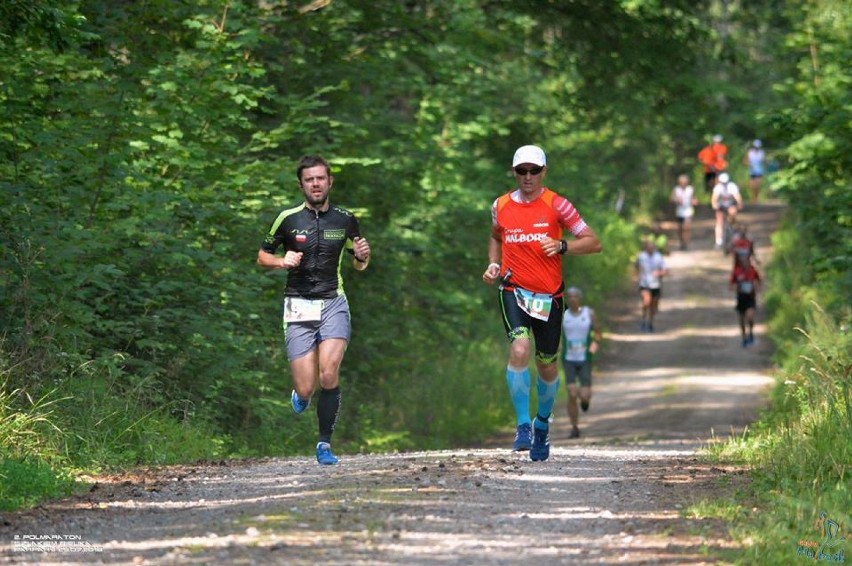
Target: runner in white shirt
{"type": "Point", "coordinates": [726, 201]}
{"type": "Point", "coordinates": [650, 268]}
{"type": "Point", "coordinates": [755, 158]}
{"type": "Point", "coordinates": [578, 326]}
{"type": "Point", "coordinates": [683, 196]}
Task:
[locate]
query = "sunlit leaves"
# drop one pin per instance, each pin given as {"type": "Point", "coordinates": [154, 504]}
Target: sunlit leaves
{"type": "Point", "coordinates": [818, 151]}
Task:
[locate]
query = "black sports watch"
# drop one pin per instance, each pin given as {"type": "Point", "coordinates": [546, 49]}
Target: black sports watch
{"type": "Point", "coordinates": [563, 247]}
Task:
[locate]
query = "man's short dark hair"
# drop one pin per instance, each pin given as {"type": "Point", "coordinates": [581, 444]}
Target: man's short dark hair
{"type": "Point", "coordinates": [308, 161]}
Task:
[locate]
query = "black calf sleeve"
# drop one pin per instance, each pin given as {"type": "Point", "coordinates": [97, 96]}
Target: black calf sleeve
{"type": "Point", "coordinates": [328, 406]}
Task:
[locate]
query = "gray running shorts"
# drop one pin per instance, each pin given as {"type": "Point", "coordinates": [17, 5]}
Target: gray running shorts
{"type": "Point", "coordinates": [302, 337]}
{"type": "Point", "coordinates": [578, 370]}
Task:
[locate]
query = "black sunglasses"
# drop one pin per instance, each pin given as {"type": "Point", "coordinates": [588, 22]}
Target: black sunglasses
{"type": "Point", "coordinates": [532, 170]}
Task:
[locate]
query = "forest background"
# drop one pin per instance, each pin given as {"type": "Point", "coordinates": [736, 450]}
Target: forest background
{"type": "Point", "coordinates": [146, 147]}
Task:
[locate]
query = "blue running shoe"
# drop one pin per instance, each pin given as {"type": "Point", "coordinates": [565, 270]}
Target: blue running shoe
{"type": "Point", "coordinates": [523, 438]}
{"type": "Point", "coordinates": [540, 450]}
{"type": "Point", "coordinates": [324, 455]}
{"type": "Point", "coordinates": [299, 404]}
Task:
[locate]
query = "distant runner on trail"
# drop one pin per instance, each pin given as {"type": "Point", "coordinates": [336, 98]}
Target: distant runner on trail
{"type": "Point", "coordinates": [714, 159]}
{"type": "Point", "coordinates": [650, 270]}
{"type": "Point", "coordinates": [315, 235]}
{"type": "Point", "coordinates": [526, 231]}
{"type": "Point", "coordinates": [581, 338]}
{"type": "Point", "coordinates": [683, 197]}
{"type": "Point", "coordinates": [746, 280]}
{"type": "Point", "coordinates": [742, 245]}
{"type": "Point", "coordinates": [755, 158]}
{"type": "Point", "coordinates": [726, 201]}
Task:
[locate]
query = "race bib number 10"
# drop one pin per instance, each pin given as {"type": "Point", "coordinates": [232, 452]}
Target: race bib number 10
{"type": "Point", "coordinates": [537, 305]}
{"type": "Point", "coordinates": [302, 310]}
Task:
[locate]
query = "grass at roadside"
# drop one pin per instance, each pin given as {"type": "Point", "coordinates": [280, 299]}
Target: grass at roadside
{"type": "Point", "coordinates": [800, 455]}
{"type": "Point", "coordinates": [26, 481]}
{"type": "Point", "coordinates": [46, 441]}
{"type": "Point", "coordinates": [25, 477]}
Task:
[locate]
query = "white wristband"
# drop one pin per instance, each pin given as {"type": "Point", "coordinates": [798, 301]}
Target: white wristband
{"type": "Point", "coordinates": [497, 265]}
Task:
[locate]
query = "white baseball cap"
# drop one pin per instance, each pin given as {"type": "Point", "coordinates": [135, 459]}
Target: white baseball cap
{"type": "Point", "coordinates": [529, 154]}
{"type": "Point", "coordinates": [717, 138]}
{"type": "Point", "coordinates": [757, 143]}
{"type": "Point", "coordinates": [724, 178]}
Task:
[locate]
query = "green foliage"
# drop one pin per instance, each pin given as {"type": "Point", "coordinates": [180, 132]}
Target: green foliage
{"type": "Point", "coordinates": [27, 482]}
{"type": "Point", "coordinates": [37, 21]}
{"type": "Point", "coordinates": [29, 470]}
{"type": "Point", "coordinates": [25, 423]}
{"type": "Point", "coordinates": [820, 381]}
{"type": "Point", "coordinates": [815, 128]}
{"type": "Point", "coordinates": [800, 450]}
{"type": "Point", "coordinates": [110, 422]}
{"type": "Point", "coordinates": [797, 284]}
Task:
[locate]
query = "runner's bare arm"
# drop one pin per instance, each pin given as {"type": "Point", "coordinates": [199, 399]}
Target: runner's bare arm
{"type": "Point", "coordinates": [361, 253]}
{"type": "Point", "coordinates": [586, 242]}
{"type": "Point", "coordinates": [271, 261]}
{"type": "Point", "coordinates": [596, 333]}
{"type": "Point", "coordinates": [492, 272]}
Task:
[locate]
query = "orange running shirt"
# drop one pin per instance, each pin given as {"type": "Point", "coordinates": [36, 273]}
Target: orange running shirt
{"type": "Point", "coordinates": [520, 226]}
{"type": "Point", "coordinates": [713, 157]}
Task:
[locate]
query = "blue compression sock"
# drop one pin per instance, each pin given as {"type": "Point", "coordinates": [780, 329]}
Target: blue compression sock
{"type": "Point", "coordinates": [546, 398]}
{"type": "Point", "coordinates": [519, 391]}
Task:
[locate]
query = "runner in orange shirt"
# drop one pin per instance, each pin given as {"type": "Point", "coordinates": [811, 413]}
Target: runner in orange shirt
{"type": "Point", "coordinates": [712, 157]}
{"type": "Point", "coordinates": [526, 235]}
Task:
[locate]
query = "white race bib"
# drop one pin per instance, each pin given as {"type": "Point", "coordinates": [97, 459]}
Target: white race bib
{"type": "Point", "coordinates": [297, 309]}
{"type": "Point", "coordinates": [746, 287]}
{"type": "Point", "coordinates": [537, 305]}
{"type": "Point", "coordinates": [575, 350]}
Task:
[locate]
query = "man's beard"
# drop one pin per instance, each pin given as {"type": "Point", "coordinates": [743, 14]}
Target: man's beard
{"type": "Point", "coordinates": [319, 201]}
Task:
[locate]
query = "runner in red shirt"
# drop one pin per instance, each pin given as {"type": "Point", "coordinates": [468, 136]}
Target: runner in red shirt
{"type": "Point", "coordinates": [526, 235]}
{"type": "Point", "coordinates": [742, 245]}
{"type": "Point", "coordinates": [746, 280]}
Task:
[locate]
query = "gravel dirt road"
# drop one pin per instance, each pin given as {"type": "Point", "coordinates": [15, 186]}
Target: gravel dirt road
{"type": "Point", "coordinates": [617, 495]}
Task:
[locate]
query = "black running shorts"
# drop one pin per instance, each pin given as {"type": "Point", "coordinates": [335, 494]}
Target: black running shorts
{"type": "Point", "coordinates": [519, 324]}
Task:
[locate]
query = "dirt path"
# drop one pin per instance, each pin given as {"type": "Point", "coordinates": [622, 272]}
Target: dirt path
{"type": "Point", "coordinates": [691, 378]}
{"type": "Point", "coordinates": [614, 496]}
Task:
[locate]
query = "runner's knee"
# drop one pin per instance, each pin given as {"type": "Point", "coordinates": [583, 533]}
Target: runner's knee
{"type": "Point", "coordinates": [519, 351]}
